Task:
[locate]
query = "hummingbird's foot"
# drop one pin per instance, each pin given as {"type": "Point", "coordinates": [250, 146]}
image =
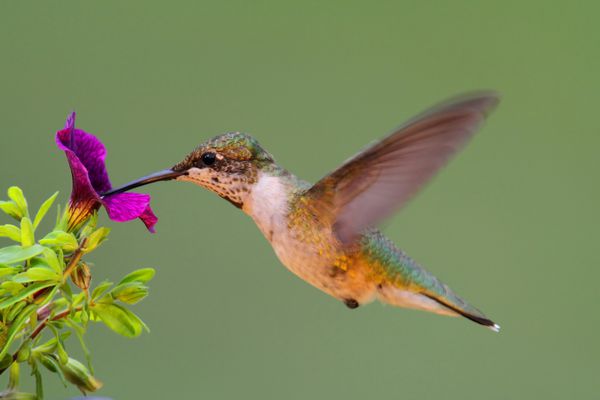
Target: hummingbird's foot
{"type": "Point", "coordinates": [351, 303]}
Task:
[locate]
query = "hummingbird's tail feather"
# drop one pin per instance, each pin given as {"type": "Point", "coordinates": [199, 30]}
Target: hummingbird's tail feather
{"type": "Point", "coordinates": [450, 304]}
{"type": "Point", "coordinates": [478, 318]}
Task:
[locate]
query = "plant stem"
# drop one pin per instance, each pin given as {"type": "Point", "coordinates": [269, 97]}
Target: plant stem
{"type": "Point", "coordinates": [74, 260]}
{"type": "Point", "coordinates": [40, 328]}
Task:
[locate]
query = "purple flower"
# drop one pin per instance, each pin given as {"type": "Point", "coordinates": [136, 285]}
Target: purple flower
{"type": "Point", "coordinates": [85, 154]}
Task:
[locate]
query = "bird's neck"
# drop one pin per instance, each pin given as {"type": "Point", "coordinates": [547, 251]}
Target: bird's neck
{"type": "Point", "coordinates": [269, 200]}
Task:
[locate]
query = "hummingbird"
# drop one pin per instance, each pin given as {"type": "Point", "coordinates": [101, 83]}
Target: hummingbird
{"type": "Point", "coordinates": [326, 233]}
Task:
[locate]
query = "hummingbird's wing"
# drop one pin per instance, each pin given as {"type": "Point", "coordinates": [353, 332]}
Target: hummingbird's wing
{"type": "Point", "coordinates": [371, 185]}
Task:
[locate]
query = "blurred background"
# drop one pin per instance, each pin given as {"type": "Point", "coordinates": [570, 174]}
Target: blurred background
{"type": "Point", "coordinates": [511, 224]}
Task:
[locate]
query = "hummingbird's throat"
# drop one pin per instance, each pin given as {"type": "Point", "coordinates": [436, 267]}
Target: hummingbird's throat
{"type": "Point", "coordinates": [232, 187]}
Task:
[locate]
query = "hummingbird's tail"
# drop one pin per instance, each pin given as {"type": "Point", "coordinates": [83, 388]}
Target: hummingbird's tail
{"type": "Point", "coordinates": [477, 317]}
{"type": "Point", "coordinates": [449, 304]}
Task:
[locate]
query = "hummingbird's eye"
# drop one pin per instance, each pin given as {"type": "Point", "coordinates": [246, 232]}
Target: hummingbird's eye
{"type": "Point", "coordinates": [209, 158]}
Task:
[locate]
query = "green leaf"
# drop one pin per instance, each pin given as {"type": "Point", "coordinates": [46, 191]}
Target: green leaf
{"type": "Point", "coordinates": [5, 362]}
{"type": "Point", "coordinates": [10, 231]}
{"type": "Point", "coordinates": [62, 219]}
{"type": "Point", "coordinates": [28, 291]}
{"type": "Point", "coordinates": [27, 235]}
{"type": "Point", "coordinates": [49, 361]}
{"type": "Point", "coordinates": [67, 292]}
{"type": "Point", "coordinates": [142, 275]}
{"type": "Point", "coordinates": [50, 345]}
{"type": "Point", "coordinates": [100, 290]}
{"type": "Point", "coordinates": [95, 239]}
{"type": "Point", "coordinates": [16, 194]}
{"type": "Point", "coordinates": [10, 287]}
{"type": "Point", "coordinates": [90, 225]}
{"type": "Point", "coordinates": [6, 270]}
{"type": "Point", "coordinates": [39, 386]}
{"type": "Point", "coordinates": [13, 377]}
{"type": "Point", "coordinates": [36, 274]}
{"type": "Point", "coordinates": [16, 254]}
{"type": "Point", "coordinates": [53, 261]}
{"type": "Point", "coordinates": [62, 355]}
{"type": "Point", "coordinates": [60, 239]}
{"type": "Point", "coordinates": [24, 351]}
{"type": "Point", "coordinates": [16, 327]}
{"type": "Point", "coordinates": [44, 209]}
{"type": "Point", "coordinates": [15, 310]}
{"type": "Point", "coordinates": [11, 209]}
{"type": "Point", "coordinates": [130, 293]}
{"type": "Point", "coordinates": [79, 332]}
{"type": "Point", "coordinates": [119, 319]}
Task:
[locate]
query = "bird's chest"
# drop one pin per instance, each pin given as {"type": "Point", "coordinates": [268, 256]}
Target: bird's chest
{"type": "Point", "coordinates": [302, 243]}
{"type": "Point", "coordinates": [299, 246]}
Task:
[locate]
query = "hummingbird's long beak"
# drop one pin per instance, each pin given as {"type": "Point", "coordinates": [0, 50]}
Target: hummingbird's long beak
{"type": "Point", "coordinates": [164, 175]}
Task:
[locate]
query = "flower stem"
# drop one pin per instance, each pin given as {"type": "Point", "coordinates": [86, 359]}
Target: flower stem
{"type": "Point", "coordinates": [74, 260]}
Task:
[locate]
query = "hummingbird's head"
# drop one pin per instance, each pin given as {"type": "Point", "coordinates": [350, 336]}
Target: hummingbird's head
{"type": "Point", "coordinates": [227, 164]}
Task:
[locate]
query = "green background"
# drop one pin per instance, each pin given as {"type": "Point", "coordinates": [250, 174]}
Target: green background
{"type": "Point", "coordinates": [511, 224]}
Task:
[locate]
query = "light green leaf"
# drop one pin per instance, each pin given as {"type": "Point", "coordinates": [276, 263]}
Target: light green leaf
{"type": "Point", "coordinates": [10, 231]}
{"type": "Point", "coordinates": [13, 376]}
{"type": "Point", "coordinates": [6, 270]}
{"type": "Point", "coordinates": [50, 345]}
{"type": "Point", "coordinates": [16, 327]}
{"type": "Point", "coordinates": [39, 386]}
{"type": "Point", "coordinates": [27, 235]}
{"type": "Point", "coordinates": [90, 226]}
{"type": "Point", "coordinates": [24, 351]}
{"type": "Point", "coordinates": [52, 260]}
{"type": "Point", "coordinates": [119, 319]}
{"type": "Point", "coordinates": [142, 275]}
{"type": "Point", "coordinates": [44, 209]}
{"type": "Point", "coordinates": [95, 239]}
{"type": "Point", "coordinates": [16, 254]}
{"type": "Point", "coordinates": [62, 219]}
{"type": "Point", "coordinates": [26, 292]}
{"type": "Point", "coordinates": [130, 293]}
{"type": "Point", "coordinates": [11, 209]}
{"type": "Point", "coordinates": [79, 332]}
{"type": "Point", "coordinates": [16, 194]}
{"type": "Point", "coordinates": [100, 290]}
{"type": "Point", "coordinates": [11, 287]}
{"type": "Point", "coordinates": [62, 355]}
{"type": "Point", "coordinates": [67, 292]}
{"type": "Point", "coordinates": [78, 299]}
{"type": "Point", "coordinates": [60, 239]}
{"type": "Point", "coordinates": [15, 310]}
{"type": "Point", "coordinates": [35, 274]}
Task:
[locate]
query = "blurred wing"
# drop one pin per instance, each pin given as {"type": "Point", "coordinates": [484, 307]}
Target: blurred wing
{"type": "Point", "coordinates": [371, 185]}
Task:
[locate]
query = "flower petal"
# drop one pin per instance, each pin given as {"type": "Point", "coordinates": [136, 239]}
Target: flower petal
{"type": "Point", "coordinates": [89, 150]}
{"type": "Point", "coordinates": [86, 155]}
{"type": "Point", "coordinates": [149, 219]}
{"type": "Point", "coordinates": [128, 206]}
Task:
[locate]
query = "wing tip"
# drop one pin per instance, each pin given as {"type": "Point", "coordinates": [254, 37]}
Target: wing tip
{"type": "Point", "coordinates": [484, 101]}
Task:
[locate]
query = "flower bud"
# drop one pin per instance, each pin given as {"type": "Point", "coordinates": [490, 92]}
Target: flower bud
{"type": "Point", "coordinates": [78, 374]}
{"type": "Point", "coordinates": [82, 276]}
